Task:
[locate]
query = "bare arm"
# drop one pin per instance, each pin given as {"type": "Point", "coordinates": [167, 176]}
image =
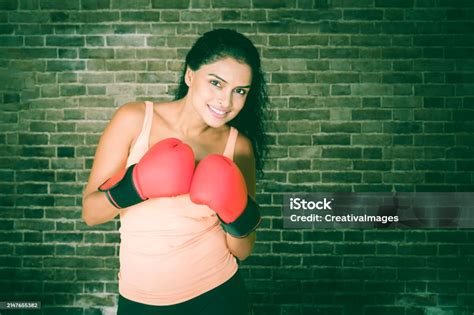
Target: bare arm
{"type": "Point", "coordinates": [110, 157]}
{"type": "Point", "coordinates": [245, 160]}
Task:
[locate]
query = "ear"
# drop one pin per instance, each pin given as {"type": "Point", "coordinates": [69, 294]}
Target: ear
{"type": "Point", "coordinates": [188, 76]}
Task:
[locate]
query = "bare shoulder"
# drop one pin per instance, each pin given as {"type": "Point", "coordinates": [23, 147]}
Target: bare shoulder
{"type": "Point", "coordinates": [129, 117]}
{"type": "Point", "coordinates": [244, 157]}
{"type": "Point", "coordinates": [130, 112]}
{"type": "Point", "coordinates": [244, 147]}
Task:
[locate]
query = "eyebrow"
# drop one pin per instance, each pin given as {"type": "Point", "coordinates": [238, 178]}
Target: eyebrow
{"type": "Point", "coordinates": [215, 75]}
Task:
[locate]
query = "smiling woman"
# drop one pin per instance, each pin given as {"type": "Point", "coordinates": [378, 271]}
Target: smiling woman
{"type": "Point", "coordinates": [210, 93]}
{"type": "Point", "coordinates": [182, 176]}
{"type": "Point", "coordinates": [222, 44]}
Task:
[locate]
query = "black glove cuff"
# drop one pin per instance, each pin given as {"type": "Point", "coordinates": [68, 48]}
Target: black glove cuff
{"type": "Point", "coordinates": [124, 194]}
{"type": "Point", "coordinates": [246, 223]}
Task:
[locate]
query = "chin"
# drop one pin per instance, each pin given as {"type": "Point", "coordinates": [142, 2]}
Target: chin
{"type": "Point", "coordinates": [214, 124]}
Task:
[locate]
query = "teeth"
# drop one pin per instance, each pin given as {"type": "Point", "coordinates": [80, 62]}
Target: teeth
{"type": "Point", "coordinates": [217, 111]}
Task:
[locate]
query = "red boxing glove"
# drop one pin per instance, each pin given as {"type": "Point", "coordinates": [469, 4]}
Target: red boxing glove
{"type": "Point", "coordinates": [165, 170]}
{"type": "Point", "coordinates": [219, 184]}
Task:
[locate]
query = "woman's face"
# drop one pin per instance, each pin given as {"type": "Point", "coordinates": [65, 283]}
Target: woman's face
{"type": "Point", "coordinates": [218, 90]}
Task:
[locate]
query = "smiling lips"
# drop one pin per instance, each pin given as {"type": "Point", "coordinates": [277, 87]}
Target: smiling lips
{"type": "Point", "coordinates": [216, 112]}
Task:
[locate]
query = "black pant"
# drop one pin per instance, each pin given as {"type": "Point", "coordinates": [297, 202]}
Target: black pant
{"type": "Point", "coordinates": [229, 298]}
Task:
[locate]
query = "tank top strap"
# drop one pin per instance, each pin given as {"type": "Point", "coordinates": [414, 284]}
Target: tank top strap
{"type": "Point", "coordinates": [147, 121]}
{"type": "Point", "coordinates": [231, 140]}
{"type": "Point", "coordinates": [141, 144]}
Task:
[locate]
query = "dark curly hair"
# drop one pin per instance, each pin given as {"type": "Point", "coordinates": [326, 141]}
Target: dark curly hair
{"type": "Point", "coordinates": [219, 44]}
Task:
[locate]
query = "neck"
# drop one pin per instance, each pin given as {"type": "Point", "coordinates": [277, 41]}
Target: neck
{"type": "Point", "coordinates": [188, 121]}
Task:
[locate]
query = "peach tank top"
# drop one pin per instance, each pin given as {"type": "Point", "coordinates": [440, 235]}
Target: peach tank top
{"type": "Point", "coordinates": [171, 249]}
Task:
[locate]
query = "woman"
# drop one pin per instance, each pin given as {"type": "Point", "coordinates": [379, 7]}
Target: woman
{"type": "Point", "coordinates": [182, 176]}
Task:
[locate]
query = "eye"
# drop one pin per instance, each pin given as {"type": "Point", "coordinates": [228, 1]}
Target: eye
{"type": "Point", "coordinates": [241, 91]}
{"type": "Point", "coordinates": [215, 83]}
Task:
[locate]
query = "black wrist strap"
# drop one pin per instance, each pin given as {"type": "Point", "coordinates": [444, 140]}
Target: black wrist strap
{"type": "Point", "coordinates": [247, 222]}
{"type": "Point", "coordinates": [124, 194]}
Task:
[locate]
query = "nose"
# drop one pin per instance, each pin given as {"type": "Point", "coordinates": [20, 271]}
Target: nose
{"type": "Point", "coordinates": [225, 101]}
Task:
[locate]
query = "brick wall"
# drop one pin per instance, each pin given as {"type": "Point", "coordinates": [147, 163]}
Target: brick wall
{"type": "Point", "coordinates": [367, 95]}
